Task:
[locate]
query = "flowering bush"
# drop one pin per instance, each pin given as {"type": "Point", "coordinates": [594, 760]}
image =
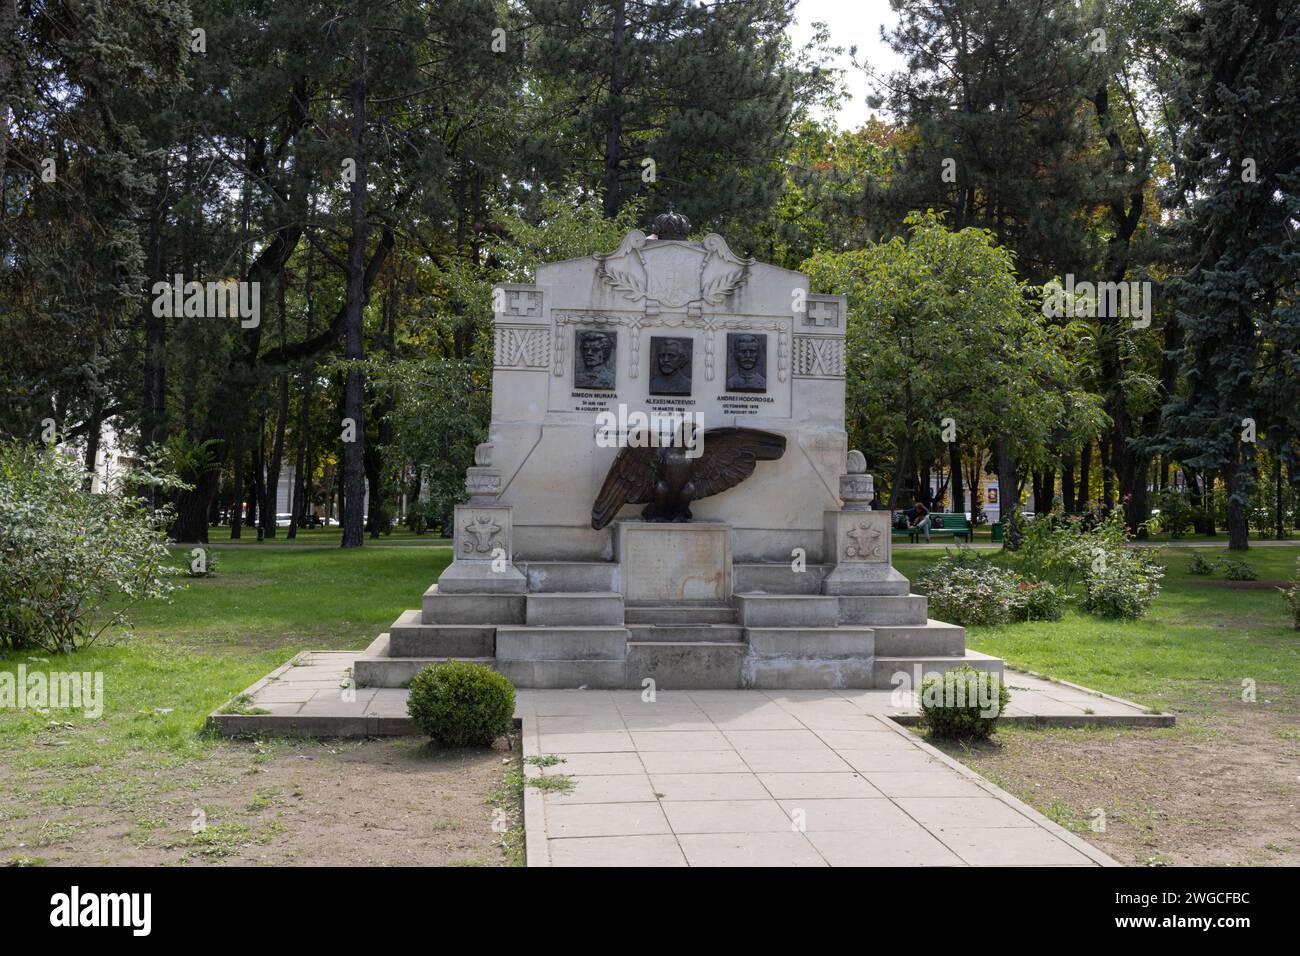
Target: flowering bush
{"type": "Point", "coordinates": [72, 563]}
{"type": "Point", "coordinates": [965, 589]}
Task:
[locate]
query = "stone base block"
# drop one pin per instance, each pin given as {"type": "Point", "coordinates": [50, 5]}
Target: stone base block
{"type": "Point", "coordinates": [816, 643]}
{"type": "Point", "coordinates": [561, 643]}
{"type": "Point", "coordinates": [779, 578]}
{"type": "Point", "coordinates": [693, 665]}
{"type": "Point", "coordinates": [571, 575]}
{"type": "Point", "coordinates": [931, 639]}
{"type": "Point", "coordinates": [787, 610]}
{"type": "Point", "coordinates": [375, 668]}
{"type": "Point", "coordinates": [565, 675]}
{"type": "Point", "coordinates": [477, 577]}
{"type": "Point", "coordinates": [410, 637]}
{"type": "Point", "coordinates": [883, 609]}
{"type": "Point", "coordinates": [663, 562]}
{"type": "Point", "coordinates": [807, 674]}
{"type": "Point", "coordinates": [909, 672]}
{"type": "Point", "coordinates": [680, 614]}
{"type": "Point", "coordinates": [575, 609]}
{"type": "Point", "coordinates": [865, 578]}
{"type": "Point", "coordinates": [440, 608]}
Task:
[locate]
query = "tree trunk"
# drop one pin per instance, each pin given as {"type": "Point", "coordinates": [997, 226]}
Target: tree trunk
{"type": "Point", "coordinates": [354, 402]}
{"type": "Point", "coordinates": [1085, 476]}
{"type": "Point", "coordinates": [1008, 492]}
{"type": "Point", "coordinates": [1236, 483]}
{"type": "Point", "coordinates": [613, 200]}
{"type": "Point", "coordinates": [1279, 527]}
{"type": "Point", "coordinates": [94, 428]}
{"type": "Point", "coordinates": [237, 508]}
{"type": "Point", "coordinates": [191, 524]}
{"type": "Point", "coordinates": [1068, 500]}
{"type": "Point", "coordinates": [958, 490]}
{"type": "Point", "coordinates": [900, 470]}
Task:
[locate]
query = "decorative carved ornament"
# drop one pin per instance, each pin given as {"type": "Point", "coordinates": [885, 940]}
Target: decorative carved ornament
{"type": "Point", "coordinates": [818, 356]}
{"type": "Point", "coordinates": [673, 273]}
{"type": "Point", "coordinates": [866, 542]}
{"type": "Point", "coordinates": [522, 346]}
{"type": "Point", "coordinates": [481, 534]}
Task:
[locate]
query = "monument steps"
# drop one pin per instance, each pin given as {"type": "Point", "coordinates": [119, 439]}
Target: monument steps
{"type": "Point", "coordinates": [576, 608]}
{"type": "Point", "coordinates": [409, 636]}
{"type": "Point", "coordinates": [471, 608]}
{"type": "Point", "coordinates": [376, 669]}
{"type": "Point", "coordinates": [930, 639]}
{"type": "Point", "coordinates": [787, 610]}
{"type": "Point", "coordinates": [562, 643]}
{"type": "Point", "coordinates": [917, 668]}
{"type": "Point", "coordinates": [779, 578]}
{"type": "Point", "coordinates": [680, 614]}
{"type": "Point", "coordinates": [884, 609]}
{"type": "Point", "coordinates": [685, 633]}
{"type": "Point", "coordinates": [819, 643]}
{"type": "Point", "coordinates": [569, 576]}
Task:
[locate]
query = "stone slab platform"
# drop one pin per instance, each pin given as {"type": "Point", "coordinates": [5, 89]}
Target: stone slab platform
{"type": "Point", "coordinates": [309, 697]}
{"type": "Point", "coordinates": [754, 778]}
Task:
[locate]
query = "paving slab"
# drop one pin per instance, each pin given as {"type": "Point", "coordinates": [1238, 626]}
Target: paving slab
{"type": "Point", "coordinates": [805, 795]}
{"type": "Point", "coordinates": [730, 778]}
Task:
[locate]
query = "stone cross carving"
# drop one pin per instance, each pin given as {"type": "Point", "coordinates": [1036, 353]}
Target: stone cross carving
{"type": "Point", "coordinates": [523, 302]}
{"type": "Point", "coordinates": [822, 313]}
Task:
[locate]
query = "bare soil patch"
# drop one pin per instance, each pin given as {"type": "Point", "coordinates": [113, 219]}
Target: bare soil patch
{"type": "Point", "coordinates": [1222, 788]}
{"type": "Point", "coordinates": [353, 803]}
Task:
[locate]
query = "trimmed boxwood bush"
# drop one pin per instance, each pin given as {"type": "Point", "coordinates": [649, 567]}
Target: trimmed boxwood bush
{"type": "Point", "coordinates": [460, 704]}
{"type": "Point", "coordinates": [951, 703]}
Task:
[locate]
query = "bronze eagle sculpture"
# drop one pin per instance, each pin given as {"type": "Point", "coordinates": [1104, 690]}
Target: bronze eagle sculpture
{"type": "Point", "coordinates": [670, 480]}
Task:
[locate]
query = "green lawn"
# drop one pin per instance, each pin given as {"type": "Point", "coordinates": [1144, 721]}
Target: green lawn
{"type": "Point", "coordinates": [220, 634]}
{"type": "Point", "coordinates": [1200, 640]}
{"type": "Point", "coordinates": [215, 637]}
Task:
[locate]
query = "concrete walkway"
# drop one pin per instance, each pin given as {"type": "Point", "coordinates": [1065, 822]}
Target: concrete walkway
{"type": "Point", "coordinates": [762, 778]}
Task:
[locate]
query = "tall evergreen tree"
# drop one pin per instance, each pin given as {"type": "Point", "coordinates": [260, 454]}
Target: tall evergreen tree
{"type": "Point", "coordinates": [1240, 163]}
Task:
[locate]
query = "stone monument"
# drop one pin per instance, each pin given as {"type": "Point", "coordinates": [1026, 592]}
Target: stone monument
{"type": "Point", "coordinates": [717, 382]}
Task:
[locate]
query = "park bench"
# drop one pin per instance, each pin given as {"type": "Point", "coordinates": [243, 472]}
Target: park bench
{"type": "Point", "coordinates": [952, 526]}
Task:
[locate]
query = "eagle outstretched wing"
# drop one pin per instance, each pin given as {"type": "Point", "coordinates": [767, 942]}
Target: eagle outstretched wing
{"type": "Point", "coordinates": [631, 480]}
{"type": "Point", "coordinates": [729, 457]}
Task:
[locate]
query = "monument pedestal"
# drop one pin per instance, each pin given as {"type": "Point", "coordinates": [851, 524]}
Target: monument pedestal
{"type": "Point", "coordinates": [665, 562]}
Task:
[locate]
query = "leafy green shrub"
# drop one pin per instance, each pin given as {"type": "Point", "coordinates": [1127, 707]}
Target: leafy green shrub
{"type": "Point", "coordinates": [1121, 584]}
{"type": "Point", "coordinates": [461, 704]}
{"type": "Point", "coordinates": [73, 563]}
{"type": "Point", "coordinates": [1200, 565]}
{"type": "Point", "coordinates": [1177, 513]}
{"type": "Point", "coordinates": [1239, 571]}
{"type": "Point", "coordinates": [962, 703]}
{"type": "Point", "coordinates": [968, 592]}
{"type": "Point", "coordinates": [1040, 601]}
{"type": "Point", "coordinates": [1291, 595]}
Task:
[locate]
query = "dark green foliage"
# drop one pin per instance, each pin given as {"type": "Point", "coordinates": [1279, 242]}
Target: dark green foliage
{"type": "Point", "coordinates": [1239, 189]}
{"type": "Point", "coordinates": [962, 703]}
{"type": "Point", "coordinates": [461, 704]}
